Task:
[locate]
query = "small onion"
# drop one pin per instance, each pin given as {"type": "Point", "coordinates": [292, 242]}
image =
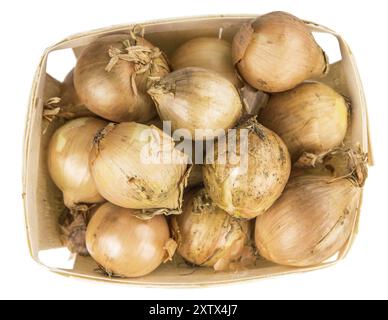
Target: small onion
{"type": "Point", "coordinates": [68, 160]}
{"type": "Point", "coordinates": [71, 105]}
{"type": "Point", "coordinates": [52, 88]}
{"type": "Point", "coordinates": [246, 191]}
{"type": "Point", "coordinates": [206, 235]}
{"type": "Point", "coordinates": [197, 100]}
{"type": "Point", "coordinates": [124, 173]}
{"type": "Point", "coordinates": [73, 224]}
{"type": "Point", "coordinates": [125, 245]}
{"type": "Point", "coordinates": [310, 118]}
{"type": "Point", "coordinates": [311, 221]}
{"type": "Point", "coordinates": [208, 53]}
{"type": "Point", "coordinates": [276, 52]}
{"type": "Point", "coordinates": [112, 76]}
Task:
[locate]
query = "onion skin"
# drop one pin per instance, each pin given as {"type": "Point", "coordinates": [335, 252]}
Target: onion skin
{"type": "Point", "coordinates": [310, 118]}
{"type": "Point", "coordinates": [310, 222]}
{"type": "Point", "coordinates": [208, 53]}
{"type": "Point", "coordinates": [71, 105]}
{"type": "Point", "coordinates": [206, 235]}
{"type": "Point", "coordinates": [247, 194]}
{"type": "Point", "coordinates": [276, 52]}
{"type": "Point", "coordinates": [125, 245]}
{"type": "Point", "coordinates": [123, 179]}
{"type": "Point", "coordinates": [110, 94]}
{"type": "Point", "coordinates": [197, 99]}
{"type": "Point", "coordinates": [73, 224]}
{"type": "Point", "coordinates": [68, 160]}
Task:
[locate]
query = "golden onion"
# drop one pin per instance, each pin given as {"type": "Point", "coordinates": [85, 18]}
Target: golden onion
{"type": "Point", "coordinates": [124, 245]}
{"type": "Point", "coordinates": [246, 190]}
{"type": "Point", "coordinates": [276, 52]}
{"type": "Point", "coordinates": [70, 104]}
{"type": "Point", "coordinates": [206, 235]}
{"type": "Point", "coordinates": [68, 160]}
{"type": "Point", "coordinates": [310, 118]}
{"type": "Point", "coordinates": [208, 53]}
{"type": "Point", "coordinates": [113, 74]}
{"type": "Point", "coordinates": [200, 101]}
{"type": "Point", "coordinates": [311, 221]}
{"type": "Point", "coordinates": [136, 166]}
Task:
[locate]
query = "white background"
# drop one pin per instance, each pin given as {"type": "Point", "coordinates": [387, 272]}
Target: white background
{"type": "Point", "coordinates": [28, 27]}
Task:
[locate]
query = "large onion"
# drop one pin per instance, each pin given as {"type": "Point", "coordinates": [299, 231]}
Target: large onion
{"type": "Point", "coordinates": [198, 100]}
{"type": "Point", "coordinates": [310, 118]}
{"type": "Point", "coordinates": [208, 53]}
{"type": "Point", "coordinates": [246, 190]}
{"type": "Point", "coordinates": [311, 221]}
{"type": "Point", "coordinates": [276, 52]}
{"type": "Point", "coordinates": [112, 76]}
{"type": "Point", "coordinates": [125, 245]}
{"type": "Point", "coordinates": [124, 171]}
{"type": "Point", "coordinates": [68, 160]}
{"type": "Point", "coordinates": [207, 235]}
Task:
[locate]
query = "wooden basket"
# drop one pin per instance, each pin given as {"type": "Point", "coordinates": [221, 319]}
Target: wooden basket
{"type": "Point", "coordinates": [43, 201]}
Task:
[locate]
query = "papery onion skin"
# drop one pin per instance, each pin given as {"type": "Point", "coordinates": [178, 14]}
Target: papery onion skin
{"type": "Point", "coordinates": [206, 235]}
{"type": "Point", "coordinates": [111, 94]}
{"type": "Point", "coordinates": [197, 99]}
{"type": "Point", "coordinates": [73, 224]}
{"type": "Point", "coordinates": [68, 160]}
{"type": "Point", "coordinates": [122, 177]}
{"type": "Point", "coordinates": [208, 53]}
{"type": "Point", "coordinates": [276, 52]}
{"type": "Point", "coordinates": [125, 245]}
{"type": "Point", "coordinates": [310, 222]}
{"type": "Point", "coordinates": [247, 194]}
{"type": "Point", "coordinates": [310, 118]}
{"type": "Point", "coordinates": [71, 105]}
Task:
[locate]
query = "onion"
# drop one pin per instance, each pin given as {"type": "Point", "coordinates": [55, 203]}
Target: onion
{"type": "Point", "coordinates": [112, 76]}
{"type": "Point", "coordinates": [310, 222]}
{"type": "Point", "coordinates": [52, 87]}
{"type": "Point", "coordinates": [73, 225]}
{"type": "Point", "coordinates": [125, 175]}
{"type": "Point", "coordinates": [71, 105]}
{"type": "Point", "coordinates": [208, 53]}
{"type": "Point", "coordinates": [68, 160]}
{"type": "Point", "coordinates": [198, 100]}
{"type": "Point", "coordinates": [310, 118]}
{"type": "Point", "coordinates": [206, 235]}
{"type": "Point", "coordinates": [276, 52]}
{"type": "Point", "coordinates": [125, 245]}
{"type": "Point", "coordinates": [246, 190]}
